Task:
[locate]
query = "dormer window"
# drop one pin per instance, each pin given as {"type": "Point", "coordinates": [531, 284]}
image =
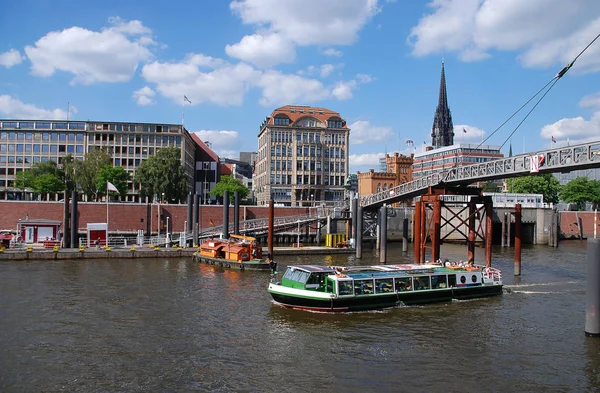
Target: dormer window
{"type": "Point", "coordinates": [281, 121]}
{"type": "Point", "coordinates": [292, 110]}
{"type": "Point", "coordinates": [301, 110]}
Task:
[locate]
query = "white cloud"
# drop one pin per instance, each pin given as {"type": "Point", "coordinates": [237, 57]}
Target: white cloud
{"type": "Point", "coordinates": [298, 22]}
{"type": "Point", "coordinates": [472, 134]}
{"type": "Point", "coordinates": [332, 52]}
{"type": "Point", "coordinates": [144, 96]}
{"type": "Point", "coordinates": [13, 108]}
{"type": "Point", "coordinates": [11, 58]}
{"type": "Point", "coordinates": [576, 129]}
{"type": "Point", "coordinates": [545, 32]}
{"type": "Point", "coordinates": [111, 55]}
{"type": "Point", "coordinates": [202, 79]}
{"type": "Point", "coordinates": [363, 131]}
{"type": "Point", "coordinates": [279, 88]}
{"type": "Point", "coordinates": [327, 69]}
{"type": "Point", "coordinates": [343, 90]}
{"type": "Point", "coordinates": [364, 78]}
{"type": "Point", "coordinates": [223, 142]}
{"type": "Point", "coordinates": [309, 22]}
{"type": "Point", "coordinates": [263, 50]}
{"type": "Point", "coordinates": [365, 162]}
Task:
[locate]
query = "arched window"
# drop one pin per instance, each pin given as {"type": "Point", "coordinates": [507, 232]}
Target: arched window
{"type": "Point", "coordinates": [378, 187]}
{"type": "Point", "coordinates": [391, 185]}
{"type": "Point", "coordinates": [384, 186]}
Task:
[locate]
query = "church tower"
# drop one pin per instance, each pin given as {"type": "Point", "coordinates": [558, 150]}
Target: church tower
{"type": "Point", "coordinates": [442, 132]}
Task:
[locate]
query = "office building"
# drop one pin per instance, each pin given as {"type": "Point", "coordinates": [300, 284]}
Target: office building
{"type": "Point", "coordinates": [27, 142]}
{"type": "Point", "coordinates": [302, 157]}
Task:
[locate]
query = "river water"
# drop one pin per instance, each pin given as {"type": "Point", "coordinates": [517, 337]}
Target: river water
{"type": "Point", "coordinates": [174, 325]}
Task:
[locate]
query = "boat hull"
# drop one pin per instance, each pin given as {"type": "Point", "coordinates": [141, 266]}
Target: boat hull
{"type": "Point", "coordinates": [253, 264]}
{"type": "Point", "coordinates": [359, 303]}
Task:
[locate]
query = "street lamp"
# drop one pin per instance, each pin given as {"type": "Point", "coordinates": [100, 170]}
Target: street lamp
{"type": "Point", "coordinates": [312, 199]}
{"type": "Point", "coordinates": [163, 197]}
{"type": "Point", "coordinates": [298, 244]}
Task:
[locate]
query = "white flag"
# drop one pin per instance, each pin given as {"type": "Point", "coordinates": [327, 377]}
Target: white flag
{"type": "Point", "coordinates": [111, 187]}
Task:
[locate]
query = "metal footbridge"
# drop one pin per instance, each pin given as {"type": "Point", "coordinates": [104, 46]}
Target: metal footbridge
{"type": "Point", "coordinates": [563, 159]}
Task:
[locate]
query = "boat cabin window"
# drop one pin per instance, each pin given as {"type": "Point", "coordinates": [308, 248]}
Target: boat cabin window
{"type": "Point", "coordinates": [363, 287]}
{"type": "Point", "coordinates": [438, 282]}
{"type": "Point", "coordinates": [345, 288]}
{"type": "Point", "coordinates": [463, 279]}
{"type": "Point", "coordinates": [473, 278]}
{"type": "Point", "coordinates": [296, 275]}
{"type": "Point", "coordinates": [315, 280]}
{"type": "Point", "coordinates": [383, 285]}
{"type": "Point", "coordinates": [421, 283]}
{"type": "Point", "coordinates": [451, 280]}
{"type": "Point", "coordinates": [403, 284]}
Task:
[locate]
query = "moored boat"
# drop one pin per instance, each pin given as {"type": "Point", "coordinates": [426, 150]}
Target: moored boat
{"type": "Point", "coordinates": [239, 252]}
{"type": "Point", "coordinates": [337, 289]}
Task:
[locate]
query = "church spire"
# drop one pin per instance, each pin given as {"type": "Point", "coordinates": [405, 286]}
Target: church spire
{"type": "Point", "coordinates": [442, 132]}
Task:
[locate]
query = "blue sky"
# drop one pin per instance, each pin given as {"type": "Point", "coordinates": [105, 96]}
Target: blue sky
{"type": "Point", "coordinates": [375, 62]}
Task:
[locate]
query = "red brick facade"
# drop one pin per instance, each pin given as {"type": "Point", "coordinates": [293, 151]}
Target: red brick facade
{"type": "Point", "coordinates": [130, 217]}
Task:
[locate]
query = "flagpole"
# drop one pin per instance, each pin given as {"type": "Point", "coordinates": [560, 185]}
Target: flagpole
{"type": "Point", "coordinates": [183, 111]}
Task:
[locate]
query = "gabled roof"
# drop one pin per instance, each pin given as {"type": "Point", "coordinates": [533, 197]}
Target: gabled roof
{"type": "Point", "coordinates": [203, 146]}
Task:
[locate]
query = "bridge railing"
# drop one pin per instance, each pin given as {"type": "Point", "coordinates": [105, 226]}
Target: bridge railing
{"type": "Point", "coordinates": [567, 158]}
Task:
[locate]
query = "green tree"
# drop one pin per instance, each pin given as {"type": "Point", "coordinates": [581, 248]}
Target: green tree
{"type": "Point", "coordinates": [580, 191]}
{"type": "Point", "coordinates": [86, 172]}
{"type": "Point", "coordinates": [490, 186]}
{"type": "Point", "coordinates": [163, 174]}
{"type": "Point", "coordinates": [545, 184]}
{"type": "Point", "coordinates": [228, 183]}
{"type": "Point", "coordinates": [48, 183]}
{"type": "Point", "coordinates": [43, 177]}
{"type": "Point", "coordinates": [116, 175]}
{"type": "Point", "coordinates": [68, 172]}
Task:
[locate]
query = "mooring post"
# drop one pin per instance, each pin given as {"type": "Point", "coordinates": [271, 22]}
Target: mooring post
{"type": "Point", "coordinates": [236, 212]}
{"type": "Point", "coordinates": [225, 214]}
{"type": "Point", "coordinates": [353, 213]}
{"type": "Point", "coordinates": [359, 231]}
{"type": "Point", "coordinates": [592, 293]}
{"type": "Point", "coordinates": [518, 233]}
{"type": "Point", "coordinates": [417, 233]}
{"type": "Point", "coordinates": [383, 235]}
{"type": "Point", "coordinates": [271, 224]}
{"type": "Point", "coordinates": [405, 233]}
{"type": "Point", "coordinates": [190, 209]}
{"type": "Point", "coordinates": [195, 207]}
{"type": "Point", "coordinates": [489, 211]}
{"type": "Point", "coordinates": [66, 231]}
{"type": "Point", "coordinates": [471, 233]}
{"type": "Point", "coordinates": [557, 227]}
{"type": "Point", "coordinates": [74, 221]}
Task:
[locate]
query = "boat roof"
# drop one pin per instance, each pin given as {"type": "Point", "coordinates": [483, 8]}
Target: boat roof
{"type": "Point", "coordinates": [313, 268]}
{"type": "Point", "coordinates": [365, 272]}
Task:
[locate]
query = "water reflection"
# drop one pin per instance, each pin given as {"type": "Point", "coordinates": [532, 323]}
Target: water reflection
{"type": "Point", "coordinates": [175, 325]}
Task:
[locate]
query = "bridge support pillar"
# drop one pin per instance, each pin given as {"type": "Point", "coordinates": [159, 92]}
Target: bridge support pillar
{"type": "Point", "coordinates": [417, 233]}
{"type": "Point", "coordinates": [353, 212]}
{"type": "Point", "coordinates": [359, 232]}
{"type": "Point", "coordinates": [383, 234]}
{"type": "Point", "coordinates": [405, 233]}
{"type": "Point", "coordinates": [471, 235]}
{"type": "Point", "coordinates": [518, 233]}
{"type": "Point", "coordinates": [503, 234]}
{"type": "Point", "coordinates": [489, 212]}
{"type": "Point", "coordinates": [437, 225]}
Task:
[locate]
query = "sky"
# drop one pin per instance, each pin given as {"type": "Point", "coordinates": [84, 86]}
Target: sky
{"type": "Point", "coordinates": [376, 62]}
